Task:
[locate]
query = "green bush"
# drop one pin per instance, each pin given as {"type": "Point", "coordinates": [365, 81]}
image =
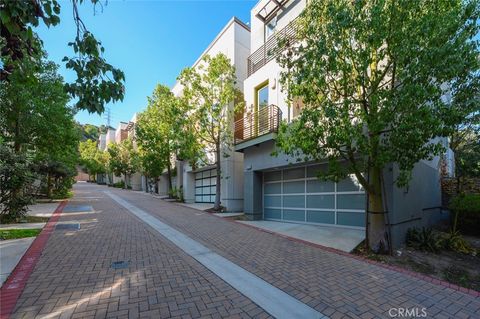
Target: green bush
{"type": "Point", "coordinates": [455, 242]}
{"type": "Point", "coordinates": [16, 184]}
{"type": "Point", "coordinates": [466, 213]}
{"type": "Point", "coordinates": [120, 184]}
{"type": "Point", "coordinates": [424, 239]}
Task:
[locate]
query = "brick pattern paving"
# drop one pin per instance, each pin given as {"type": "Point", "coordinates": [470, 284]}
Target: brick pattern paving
{"type": "Point", "coordinates": [74, 277]}
{"type": "Point", "coordinates": [336, 285]}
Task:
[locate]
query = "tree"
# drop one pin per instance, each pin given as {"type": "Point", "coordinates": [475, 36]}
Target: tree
{"type": "Point", "coordinates": [97, 81]}
{"type": "Point", "coordinates": [210, 92]}
{"type": "Point", "coordinates": [16, 178]}
{"type": "Point", "coordinates": [36, 124]}
{"type": "Point", "coordinates": [374, 76]}
{"type": "Point", "coordinates": [465, 143]}
{"type": "Point", "coordinates": [123, 159]}
{"type": "Point", "coordinates": [157, 133]}
{"type": "Point", "coordinates": [92, 158]}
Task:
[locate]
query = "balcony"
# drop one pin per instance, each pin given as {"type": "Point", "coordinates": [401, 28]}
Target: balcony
{"type": "Point", "coordinates": [270, 49]}
{"type": "Point", "coordinates": [260, 123]}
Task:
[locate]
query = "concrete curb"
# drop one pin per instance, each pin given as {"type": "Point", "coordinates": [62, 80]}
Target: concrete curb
{"type": "Point", "coordinates": [13, 287]}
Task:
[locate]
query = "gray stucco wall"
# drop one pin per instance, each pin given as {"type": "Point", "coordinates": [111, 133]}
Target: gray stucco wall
{"type": "Point", "coordinates": [415, 206]}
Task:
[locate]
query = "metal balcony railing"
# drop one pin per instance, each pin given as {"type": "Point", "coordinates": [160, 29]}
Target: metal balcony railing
{"type": "Point", "coordinates": [270, 49]}
{"type": "Point", "coordinates": [251, 125]}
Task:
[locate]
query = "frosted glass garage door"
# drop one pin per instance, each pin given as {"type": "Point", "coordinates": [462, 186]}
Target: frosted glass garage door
{"type": "Point", "coordinates": [205, 185]}
{"type": "Point", "coordinates": [297, 195]}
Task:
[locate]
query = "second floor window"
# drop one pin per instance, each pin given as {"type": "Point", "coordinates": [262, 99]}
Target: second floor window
{"type": "Point", "coordinates": [270, 28]}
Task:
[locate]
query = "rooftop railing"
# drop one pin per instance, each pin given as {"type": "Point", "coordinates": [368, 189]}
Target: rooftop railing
{"type": "Point", "coordinates": [252, 125]}
{"type": "Point", "coordinates": [270, 49]}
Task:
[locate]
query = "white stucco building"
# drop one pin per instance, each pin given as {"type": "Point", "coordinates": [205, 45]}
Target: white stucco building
{"type": "Point", "coordinates": [280, 188]}
{"type": "Point", "coordinates": [199, 185]}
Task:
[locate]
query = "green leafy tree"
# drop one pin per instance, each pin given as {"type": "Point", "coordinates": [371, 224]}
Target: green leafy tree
{"type": "Point", "coordinates": [123, 159]}
{"type": "Point", "coordinates": [465, 143]}
{"type": "Point", "coordinates": [16, 178]}
{"type": "Point", "coordinates": [373, 76]}
{"type": "Point", "coordinates": [92, 158]}
{"type": "Point", "coordinates": [36, 123]}
{"type": "Point", "coordinates": [209, 90]}
{"type": "Point", "coordinates": [157, 133]}
{"type": "Point", "coordinates": [97, 81]}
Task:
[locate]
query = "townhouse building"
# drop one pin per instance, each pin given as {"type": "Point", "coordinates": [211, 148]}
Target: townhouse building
{"type": "Point", "coordinates": [279, 188]}
{"type": "Point", "coordinates": [198, 185]}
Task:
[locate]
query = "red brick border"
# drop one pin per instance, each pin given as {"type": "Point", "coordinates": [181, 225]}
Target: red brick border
{"type": "Point", "coordinates": [13, 287]}
{"type": "Point", "coordinates": [427, 278]}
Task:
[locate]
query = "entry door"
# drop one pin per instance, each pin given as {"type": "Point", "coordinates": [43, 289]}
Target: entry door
{"type": "Point", "coordinates": [297, 195]}
{"type": "Point", "coordinates": [262, 107]}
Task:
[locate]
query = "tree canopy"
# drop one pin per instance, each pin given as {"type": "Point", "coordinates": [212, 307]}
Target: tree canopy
{"type": "Point", "coordinates": [123, 159]}
{"type": "Point", "coordinates": [209, 90]}
{"type": "Point", "coordinates": [379, 80]}
{"type": "Point", "coordinates": [97, 81]}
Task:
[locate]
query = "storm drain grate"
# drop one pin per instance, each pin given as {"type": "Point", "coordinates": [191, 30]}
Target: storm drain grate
{"type": "Point", "coordinates": [78, 209]}
{"type": "Point", "coordinates": [120, 264]}
{"type": "Point", "coordinates": [69, 226]}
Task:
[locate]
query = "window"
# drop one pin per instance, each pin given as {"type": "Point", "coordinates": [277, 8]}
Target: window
{"type": "Point", "coordinates": [262, 96]}
{"type": "Point", "coordinates": [262, 108]}
{"type": "Point", "coordinates": [270, 27]}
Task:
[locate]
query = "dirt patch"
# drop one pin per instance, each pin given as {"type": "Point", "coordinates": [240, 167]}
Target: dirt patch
{"type": "Point", "coordinates": [456, 268]}
{"type": "Point", "coordinates": [215, 211]}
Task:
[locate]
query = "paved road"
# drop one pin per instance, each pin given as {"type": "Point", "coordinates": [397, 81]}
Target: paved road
{"type": "Point", "coordinates": [74, 277]}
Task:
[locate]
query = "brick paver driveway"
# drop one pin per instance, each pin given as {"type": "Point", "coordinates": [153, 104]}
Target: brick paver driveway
{"type": "Point", "coordinates": [74, 277]}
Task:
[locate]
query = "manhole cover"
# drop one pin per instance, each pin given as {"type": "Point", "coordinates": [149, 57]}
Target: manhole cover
{"type": "Point", "coordinates": [78, 209]}
{"type": "Point", "coordinates": [120, 264]}
{"type": "Point", "coordinates": [68, 226]}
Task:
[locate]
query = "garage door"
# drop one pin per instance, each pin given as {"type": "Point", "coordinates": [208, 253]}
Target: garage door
{"type": "Point", "coordinates": [205, 186]}
{"type": "Point", "coordinates": [296, 195]}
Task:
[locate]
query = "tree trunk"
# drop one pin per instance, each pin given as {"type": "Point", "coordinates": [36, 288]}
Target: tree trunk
{"type": "Point", "coordinates": [125, 181]}
{"type": "Point", "coordinates": [49, 186]}
{"type": "Point", "coordinates": [169, 177]}
{"type": "Point", "coordinates": [377, 239]}
{"type": "Point", "coordinates": [216, 206]}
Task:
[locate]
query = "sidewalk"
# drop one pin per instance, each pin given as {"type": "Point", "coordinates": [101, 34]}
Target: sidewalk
{"type": "Point", "coordinates": [11, 251]}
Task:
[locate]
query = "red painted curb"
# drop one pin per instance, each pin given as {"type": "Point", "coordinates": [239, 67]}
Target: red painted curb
{"type": "Point", "coordinates": [13, 287]}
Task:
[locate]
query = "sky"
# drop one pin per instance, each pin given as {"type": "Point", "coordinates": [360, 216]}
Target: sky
{"type": "Point", "coordinates": [150, 41]}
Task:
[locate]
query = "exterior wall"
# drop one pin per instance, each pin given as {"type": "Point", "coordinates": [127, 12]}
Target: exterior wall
{"type": "Point", "coordinates": [234, 42]}
{"type": "Point", "coordinates": [291, 10]}
{"type": "Point", "coordinates": [110, 136]}
{"type": "Point", "coordinates": [271, 71]}
{"type": "Point", "coordinates": [135, 181]}
{"type": "Point", "coordinates": [418, 205]}
{"type": "Point", "coordinates": [188, 183]}
{"type": "Point", "coordinates": [102, 142]}
{"type": "Point", "coordinates": [163, 184]}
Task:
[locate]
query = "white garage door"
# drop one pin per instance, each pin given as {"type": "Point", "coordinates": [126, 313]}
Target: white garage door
{"type": "Point", "coordinates": [205, 186]}
{"type": "Point", "coordinates": [297, 195]}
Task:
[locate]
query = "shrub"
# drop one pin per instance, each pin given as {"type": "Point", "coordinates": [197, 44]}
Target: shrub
{"type": "Point", "coordinates": [466, 213]}
{"type": "Point", "coordinates": [423, 239]}
{"type": "Point", "coordinates": [455, 242]}
{"type": "Point", "coordinates": [16, 184]}
{"type": "Point", "coordinates": [120, 184]}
